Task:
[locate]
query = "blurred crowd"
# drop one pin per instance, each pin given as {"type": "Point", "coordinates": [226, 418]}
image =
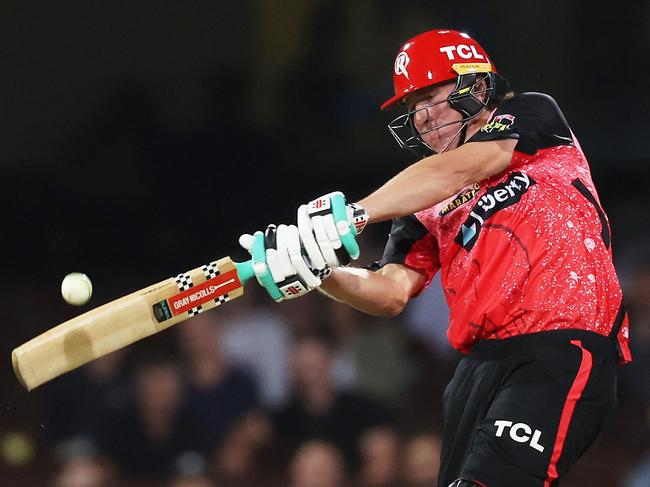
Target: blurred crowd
{"type": "Point", "coordinates": [307, 393]}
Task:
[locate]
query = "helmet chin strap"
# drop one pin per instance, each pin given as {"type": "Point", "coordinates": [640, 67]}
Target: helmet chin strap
{"type": "Point", "coordinates": [462, 133]}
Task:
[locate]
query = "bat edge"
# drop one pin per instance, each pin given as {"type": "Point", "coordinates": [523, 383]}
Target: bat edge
{"type": "Point", "coordinates": [15, 361]}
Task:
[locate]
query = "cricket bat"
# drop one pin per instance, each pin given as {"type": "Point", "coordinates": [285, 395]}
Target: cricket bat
{"type": "Point", "coordinates": [128, 319]}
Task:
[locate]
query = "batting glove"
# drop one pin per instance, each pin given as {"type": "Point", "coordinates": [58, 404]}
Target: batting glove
{"type": "Point", "coordinates": [328, 228]}
{"type": "Point", "coordinates": [279, 264]}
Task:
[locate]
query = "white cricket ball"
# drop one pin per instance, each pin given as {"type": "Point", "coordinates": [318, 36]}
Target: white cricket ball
{"type": "Point", "coordinates": [76, 288]}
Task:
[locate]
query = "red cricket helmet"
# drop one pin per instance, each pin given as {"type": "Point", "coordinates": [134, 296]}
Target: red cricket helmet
{"type": "Point", "coordinates": [434, 57]}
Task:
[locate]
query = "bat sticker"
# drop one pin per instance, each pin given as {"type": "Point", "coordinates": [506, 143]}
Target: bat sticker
{"type": "Point", "coordinates": [193, 297]}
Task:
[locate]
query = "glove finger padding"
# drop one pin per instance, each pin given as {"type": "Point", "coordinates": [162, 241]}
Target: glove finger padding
{"type": "Point", "coordinates": [290, 273]}
{"type": "Point", "coordinates": [295, 254]}
{"type": "Point", "coordinates": [281, 240]}
{"type": "Point", "coordinates": [324, 242]}
{"type": "Point", "coordinates": [306, 232]}
{"type": "Point", "coordinates": [340, 222]}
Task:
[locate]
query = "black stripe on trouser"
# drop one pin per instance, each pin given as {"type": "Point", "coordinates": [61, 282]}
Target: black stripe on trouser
{"type": "Point", "coordinates": [584, 191]}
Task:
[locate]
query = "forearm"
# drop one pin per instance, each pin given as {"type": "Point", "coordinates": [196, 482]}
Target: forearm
{"type": "Point", "coordinates": [417, 187]}
{"type": "Point", "coordinates": [436, 178]}
{"type": "Point", "coordinates": [370, 292]}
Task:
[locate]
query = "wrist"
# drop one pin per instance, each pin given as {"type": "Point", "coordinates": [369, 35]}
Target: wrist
{"type": "Point", "coordinates": [359, 216]}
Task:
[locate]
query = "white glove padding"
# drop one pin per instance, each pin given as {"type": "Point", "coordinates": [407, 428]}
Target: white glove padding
{"type": "Point", "coordinates": [328, 228]}
{"type": "Point", "coordinates": [292, 277]}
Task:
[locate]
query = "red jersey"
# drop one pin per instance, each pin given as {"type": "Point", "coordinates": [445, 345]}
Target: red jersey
{"type": "Point", "coordinates": [526, 251]}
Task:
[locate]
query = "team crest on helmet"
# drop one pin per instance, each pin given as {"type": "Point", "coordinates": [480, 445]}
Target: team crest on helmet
{"type": "Point", "coordinates": [401, 61]}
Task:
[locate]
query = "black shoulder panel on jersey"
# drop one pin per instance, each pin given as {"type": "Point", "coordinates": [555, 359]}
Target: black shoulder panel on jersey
{"type": "Point", "coordinates": [405, 232]}
{"type": "Point", "coordinates": [533, 118]}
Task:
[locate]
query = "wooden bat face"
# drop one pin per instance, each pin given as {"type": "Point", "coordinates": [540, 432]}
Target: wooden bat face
{"type": "Point", "coordinates": [128, 319]}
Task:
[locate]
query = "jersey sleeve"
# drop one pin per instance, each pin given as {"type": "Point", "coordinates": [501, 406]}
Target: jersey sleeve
{"type": "Point", "coordinates": [411, 244]}
{"type": "Point", "coordinates": [534, 119]}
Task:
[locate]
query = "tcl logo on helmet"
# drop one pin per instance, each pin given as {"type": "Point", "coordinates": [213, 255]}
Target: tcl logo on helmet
{"type": "Point", "coordinates": [401, 61]}
{"type": "Point", "coordinates": [463, 50]}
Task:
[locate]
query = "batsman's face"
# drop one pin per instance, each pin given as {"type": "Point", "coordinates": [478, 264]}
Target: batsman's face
{"type": "Point", "coordinates": [436, 122]}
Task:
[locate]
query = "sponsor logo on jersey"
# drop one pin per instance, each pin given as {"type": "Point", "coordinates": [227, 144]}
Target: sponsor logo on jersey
{"type": "Point", "coordinates": [499, 123]}
{"type": "Point", "coordinates": [461, 198]}
{"type": "Point", "coordinates": [496, 198]}
{"type": "Point", "coordinates": [401, 61]}
{"type": "Point", "coordinates": [519, 432]}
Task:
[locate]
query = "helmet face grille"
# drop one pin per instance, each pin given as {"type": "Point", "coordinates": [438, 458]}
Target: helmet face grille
{"type": "Point", "coordinates": [470, 96]}
{"type": "Point", "coordinates": [407, 137]}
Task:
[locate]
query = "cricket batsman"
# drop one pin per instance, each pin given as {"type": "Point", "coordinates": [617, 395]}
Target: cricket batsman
{"type": "Point", "coordinates": [503, 205]}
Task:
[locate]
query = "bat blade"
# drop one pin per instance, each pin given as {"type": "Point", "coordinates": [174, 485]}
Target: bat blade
{"type": "Point", "coordinates": [126, 320]}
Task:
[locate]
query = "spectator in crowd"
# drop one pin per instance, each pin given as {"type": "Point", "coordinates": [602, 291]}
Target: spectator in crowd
{"type": "Point", "coordinates": [84, 471]}
{"type": "Point", "coordinates": [146, 439]}
{"type": "Point", "coordinates": [371, 357]}
{"type": "Point", "coordinates": [426, 319]}
{"type": "Point", "coordinates": [380, 449]}
{"type": "Point", "coordinates": [240, 459]}
{"type": "Point", "coordinates": [73, 406]}
{"type": "Point", "coordinates": [639, 476]}
{"type": "Point", "coordinates": [192, 481]}
{"type": "Point", "coordinates": [217, 394]}
{"type": "Point", "coordinates": [317, 464]}
{"type": "Point", "coordinates": [317, 410]}
{"type": "Point", "coordinates": [257, 338]}
{"type": "Point", "coordinates": [421, 460]}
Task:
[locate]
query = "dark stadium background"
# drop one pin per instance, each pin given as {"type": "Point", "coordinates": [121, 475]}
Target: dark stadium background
{"type": "Point", "coordinates": [139, 139]}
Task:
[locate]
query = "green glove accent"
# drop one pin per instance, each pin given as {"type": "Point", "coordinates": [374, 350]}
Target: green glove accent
{"type": "Point", "coordinates": [339, 212]}
{"type": "Point", "coordinates": [259, 257]}
{"type": "Point", "coordinates": [245, 271]}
